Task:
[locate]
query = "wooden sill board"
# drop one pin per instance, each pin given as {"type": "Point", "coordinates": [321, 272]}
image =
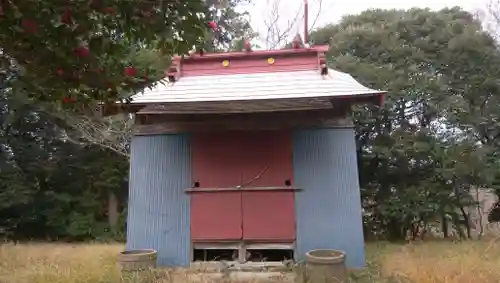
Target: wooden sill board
{"type": "Point", "coordinates": [237, 245]}
{"type": "Point", "coordinates": [253, 268]}
{"type": "Point", "coordinates": [247, 189]}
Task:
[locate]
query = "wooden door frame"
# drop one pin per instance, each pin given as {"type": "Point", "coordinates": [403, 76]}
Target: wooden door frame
{"type": "Point", "coordinates": [241, 247]}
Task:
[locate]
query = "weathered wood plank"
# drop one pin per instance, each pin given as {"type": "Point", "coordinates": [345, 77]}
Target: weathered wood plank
{"type": "Point", "coordinates": [165, 124]}
{"type": "Point", "coordinates": [195, 190]}
{"type": "Point", "coordinates": [245, 106]}
{"type": "Point", "coordinates": [246, 245]}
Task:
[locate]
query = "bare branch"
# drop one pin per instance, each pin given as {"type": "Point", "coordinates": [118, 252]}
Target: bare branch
{"type": "Point", "coordinates": [320, 10]}
{"type": "Point", "coordinates": [278, 29]}
{"type": "Point", "coordinates": [491, 18]}
{"type": "Point", "coordinates": [90, 128]}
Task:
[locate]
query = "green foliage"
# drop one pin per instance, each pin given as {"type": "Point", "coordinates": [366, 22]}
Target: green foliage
{"type": "Point", "coordinates": [54, 189]}
{"type": "Point", "coordinates": [420, 154]}
{"type": "Point", "coordinates": [233, 26]}
{"type": "Point", "coordinates": [49, 188]}
{"type": "Point", "coordinates": [78, 52]}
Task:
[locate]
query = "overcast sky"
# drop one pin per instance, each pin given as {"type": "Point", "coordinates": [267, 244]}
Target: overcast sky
{"type": "Point", "coordinates": [333, 10]}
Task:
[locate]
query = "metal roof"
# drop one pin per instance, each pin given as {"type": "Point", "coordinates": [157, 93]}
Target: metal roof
{"type": "Point", "coordinates": [301, 84]}
{"type": "Point", "coordinates": [299, 90]}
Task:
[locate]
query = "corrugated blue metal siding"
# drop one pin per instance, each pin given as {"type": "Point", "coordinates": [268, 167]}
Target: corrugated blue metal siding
{"type": "Point", "coordinates": [328, 209]}
{"type": "Point", "coordinates": [158, 208]}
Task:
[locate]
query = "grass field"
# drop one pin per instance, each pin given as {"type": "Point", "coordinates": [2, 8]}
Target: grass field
{"type": "Point", "coordinates": [434, 262]}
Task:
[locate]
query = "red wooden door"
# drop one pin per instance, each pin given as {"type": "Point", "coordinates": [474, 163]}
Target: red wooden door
{"type": "Point", "coordinates": [254, 159]}
{"type": "Point", "coordinates": [216, 159]}
{"type": "Point", "coordinates": [268, 216]}
{"type": "Point", "coordinates": [267, 157]}
{"type": "Point", "coordinates": [216, 216]}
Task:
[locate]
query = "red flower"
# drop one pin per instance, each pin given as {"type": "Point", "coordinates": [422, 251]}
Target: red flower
{"type": "Point", "coordinates": [60, 72]}
{"type": "Point", "coordinates": [108, 84]}
{"type": "Point", "coordinates": [212, 25]}
{"type": "Point", "coordinates": [29, 26]}
{"type": "Point", "coordinates": [68, 99]}
{"type": "Point", "coordinates": [130, 71]}
{"type": "Point", "coordinates": [82, 51]}
{"type": "Point", "coordinates": [66, 17]}
{"type": "Point", "coordinates": [109, 10]}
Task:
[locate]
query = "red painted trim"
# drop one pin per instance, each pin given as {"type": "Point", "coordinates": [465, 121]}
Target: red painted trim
{"type": "Point", "coordinates": [381, 98]}
{"type": "Point", "coordinates": [321, 59]}
{"type": "Point", "coordinates": [242, 63]}
{"type": "Point", "coordinates": [238, 66]}
{"type": "Point", "coordinates": [250, 62]}
{"type": "Point", "coordinates": [255, 54]}
{"type": "Point", "coordinates": [258, 70]}
{"type": "Point", "coordinates": [174, 70]}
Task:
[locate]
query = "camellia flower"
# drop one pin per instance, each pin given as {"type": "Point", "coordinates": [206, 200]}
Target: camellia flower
{"type": "Point", "coordinates": [29, 25]}
{"type": "Point", "coordinates": [212, 25]}
{"type": "Point", "coordinates": [109, 10]}
{"type": "Point", "coordinates": [108, 84]}
{"type": "Point", "coordinates": [130, 71]}
{"type": "Point", "coordinates": [67, 99]}
{"type": "Point", "coordinates": [66, 17]}
{"type": "Point", "coordinates": [82, 51]}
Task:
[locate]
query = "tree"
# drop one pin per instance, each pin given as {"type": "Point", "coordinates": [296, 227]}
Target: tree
{"type": "Point", "coordinates": [55, 182]}
{"type": "Point", "coordinates": [91, 128]}
{"type": "Point", "coordinates": [115, 46]}
{"type": "Point", "coordinates": [78, 51]}
{"type": "Point", "coordinates": [439, 68]}
{"type": "Point", "coordinates": [122, 59]}
{"type": "Point", "coordinates": [232, 23]}
{"type": "Point", "coordinates": [490, 16]}
{"type": "Point", "coordinates": [50, 188]}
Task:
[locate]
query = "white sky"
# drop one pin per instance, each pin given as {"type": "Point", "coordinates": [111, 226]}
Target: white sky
{"type": "Point", "coordinates": [333, 10]}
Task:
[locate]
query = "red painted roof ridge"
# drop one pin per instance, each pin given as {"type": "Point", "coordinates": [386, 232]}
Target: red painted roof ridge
{"type": "Point", "coordinates": [256, 53]}
{"type": "Point", "coordinates": [292, 59]}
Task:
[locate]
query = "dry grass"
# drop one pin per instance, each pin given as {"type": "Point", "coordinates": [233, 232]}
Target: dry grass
{"type": "Point", "coordinates": [435, 262]}
{"type": "Point", "coordinates": [441, 262]}
{"type": "Point", "coordinates": [58, 263]}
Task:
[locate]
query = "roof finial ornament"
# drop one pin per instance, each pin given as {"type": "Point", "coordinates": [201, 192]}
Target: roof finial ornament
{"type": "Point", "coordinates": [297, 41]}
{"type": "Point", "coordinates": [323, 67]}
{"type": "Point", "coordinates": [247, 46]}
